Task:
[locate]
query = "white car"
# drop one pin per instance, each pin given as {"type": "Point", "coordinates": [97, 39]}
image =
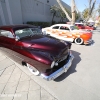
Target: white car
{"type": "Point", "coordinates": [69, 33]}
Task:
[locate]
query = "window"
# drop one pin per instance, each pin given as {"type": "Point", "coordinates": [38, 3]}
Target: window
{"type": "Point", "coordinates": [23, 32]}
{"type": "Point", "coordinates": [73, 27]}
{"type": "Point", "coordinates": [6, 33]}
{"type": "Point", "coordinates": [79, 24]}
{"type": "Point", "coordinates": [55, 27]}
{"type": "Point", "coordinates": [64, 28]}
{"type": "Point", "coordinates": [36, 31]}
{"type": "Point", "coordinates": [27, 32]}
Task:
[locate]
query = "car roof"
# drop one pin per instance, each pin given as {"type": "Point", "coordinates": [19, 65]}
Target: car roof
{"type": "Point", "coordinates": [78, 23]}
{"type": "Point", "coordinates": [62, 25]}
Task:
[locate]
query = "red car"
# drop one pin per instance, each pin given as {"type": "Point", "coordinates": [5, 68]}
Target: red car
{"type": "Point", "coordinates": [82, 26]}
{"type": "Point", "coordinates": [42, 54]}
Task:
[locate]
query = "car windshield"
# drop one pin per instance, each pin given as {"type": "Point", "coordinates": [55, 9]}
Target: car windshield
{"type": "Point", "coordinates": [27, 32]}
{"type": "Point", "coordinates": [73, 27]}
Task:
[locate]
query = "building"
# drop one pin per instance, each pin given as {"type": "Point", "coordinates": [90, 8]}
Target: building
{"type": "Point", "coordinates": [21, 11]}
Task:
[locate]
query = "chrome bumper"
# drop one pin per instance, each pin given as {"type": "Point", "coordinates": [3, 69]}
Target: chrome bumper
{"type": "Point", "coordinates": [59, 71]}
{"type": "Point", "coordinates": [88, 42]}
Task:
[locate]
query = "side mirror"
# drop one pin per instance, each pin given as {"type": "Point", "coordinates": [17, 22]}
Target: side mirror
{"type": "Point", "coordinates": [16, 38]}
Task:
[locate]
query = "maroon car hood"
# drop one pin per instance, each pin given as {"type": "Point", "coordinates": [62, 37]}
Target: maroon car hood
{"type": "Point", "coordinates": [46, 43]}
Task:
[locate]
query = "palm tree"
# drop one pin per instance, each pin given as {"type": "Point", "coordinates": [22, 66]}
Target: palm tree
{"type": "Point", "coordinates": [85, 13]}
{"type": "Point", "coordinates": [91, 8]}
{"type": "Point", "coordinates": [89, 11]}
{"type": "Point", "coordinates": [55, 11]}
{"type": "Point", "coordinates": [66, 13]}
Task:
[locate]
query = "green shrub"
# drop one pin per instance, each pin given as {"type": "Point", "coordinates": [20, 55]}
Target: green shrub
{"type": "Point", "coordinates": [41, 24]}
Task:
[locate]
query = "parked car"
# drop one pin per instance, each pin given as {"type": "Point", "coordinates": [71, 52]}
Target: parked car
{"type": "Point", "coordinates": [42, 54]}
{"type": "Point", "coordinates": [69, 33]}
{"type": "Point", "coordinates": [85, 27]}
{"type": "Point", "coordinates": [80, 25]}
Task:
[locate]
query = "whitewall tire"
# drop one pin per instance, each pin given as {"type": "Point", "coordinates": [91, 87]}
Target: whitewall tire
{"type": "Point", "coordinates": [79, 41]}
{"type": "Point", "coordinates": [33, 70]}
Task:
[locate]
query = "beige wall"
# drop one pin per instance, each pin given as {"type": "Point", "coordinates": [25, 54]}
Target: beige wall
{"type": "Point", "coordinates": [21, 11]}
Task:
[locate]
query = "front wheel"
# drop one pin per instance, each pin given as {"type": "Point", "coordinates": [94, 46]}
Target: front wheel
{"type": "Point", "coordinates": [33, 70]}
{"type": "Point", "coordinates": [79, 41]}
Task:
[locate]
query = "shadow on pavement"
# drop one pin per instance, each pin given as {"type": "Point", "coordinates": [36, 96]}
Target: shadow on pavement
{"type": "Point", "coordinates": [92, 43]}
{"type": "Point", "coordinates": [71, 70]}
{"type": "Point", "coordinates": [96, 31]}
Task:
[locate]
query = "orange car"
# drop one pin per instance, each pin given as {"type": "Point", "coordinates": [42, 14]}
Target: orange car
{"type": "Point", "coordinates": [69, 33]}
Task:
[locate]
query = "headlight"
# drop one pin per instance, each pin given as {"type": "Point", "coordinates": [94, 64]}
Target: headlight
{"type": "Point", "coordinates": [54, 64]}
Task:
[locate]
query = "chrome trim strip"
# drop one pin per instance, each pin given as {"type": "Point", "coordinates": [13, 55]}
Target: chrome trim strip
{"type": "Point", "coordinates": [59, 71]}
{"type": "Point", "coordinates": [88, 42]}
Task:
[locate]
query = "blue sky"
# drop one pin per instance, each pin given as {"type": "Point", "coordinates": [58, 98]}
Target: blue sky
{"type": "Point", "coordinates": [81, 4]}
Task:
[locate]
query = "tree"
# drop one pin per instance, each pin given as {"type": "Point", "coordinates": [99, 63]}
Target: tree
{"type": "Point", "coordinates": [66, 13]}
{"type": "Point", "coordinates": [73, 11]}
{"type": "Point", "coordinates": [89, 11]}
{"type": "Point", "coordinates": [91, 8]}
{"type": "Point", "coordinates": [54, 10]}
{"type": "Point", "coordinates": [98, 10]}
{"type": "Point", "coordinates": [85, 13]}
{"type": "Point", "coordinates": [61, 15]}
{"type": "Point", "coordinates": [77, 15]}
{"type": "Point", "coordinates": [63, 9]}
{"type": "Point", "coordinates": [57, 12]}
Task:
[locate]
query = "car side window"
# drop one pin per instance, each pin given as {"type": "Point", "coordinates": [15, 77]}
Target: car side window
{"type": "Point", "coordinates": [64, 28]}
{"type": "Point", "coordinates": [6, 33]}
{"type": "Point", "coordinates": [76, 25]}
{"type": "Point", "coordinates": [80, 25]}
{"type": "Point", "coordinates": [55, 27]}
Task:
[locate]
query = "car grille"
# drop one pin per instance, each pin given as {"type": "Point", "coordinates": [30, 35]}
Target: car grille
{"type": "Point", "coordinates": [62, 59]}
{"type": "Point", "coordinates": [63, 55]}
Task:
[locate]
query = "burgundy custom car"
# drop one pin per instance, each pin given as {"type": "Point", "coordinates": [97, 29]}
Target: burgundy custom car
{"type": "Point", "coordinates": [42, 54]}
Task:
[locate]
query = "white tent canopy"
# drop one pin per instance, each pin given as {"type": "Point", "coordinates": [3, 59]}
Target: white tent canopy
{"type": "Point", "coordinates": [90, 20]}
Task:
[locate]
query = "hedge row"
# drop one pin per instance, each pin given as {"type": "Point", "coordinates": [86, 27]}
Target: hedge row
{"type": "Point", "coordinates": [41, 24]}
